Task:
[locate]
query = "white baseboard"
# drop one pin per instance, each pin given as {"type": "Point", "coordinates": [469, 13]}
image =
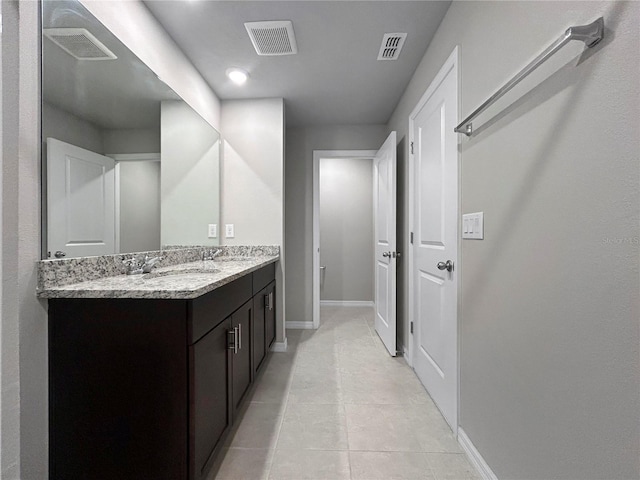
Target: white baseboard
{"type": "Point", "coordinates": [280, 347]}
{"type": "Point", "coordinates": [299, 325]}
{"type": "Point", "coordinates": [345, 303]}
{"type": "Point", "coordinates": [474, 456]}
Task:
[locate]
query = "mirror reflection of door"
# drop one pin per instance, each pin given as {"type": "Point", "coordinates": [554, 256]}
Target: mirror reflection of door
{"type": "Point", "coordinates": [81, 201]}
{"type": "Point", "coordinates": [111, 104]}
{"type": "Point", "coordinates": [100, 205]}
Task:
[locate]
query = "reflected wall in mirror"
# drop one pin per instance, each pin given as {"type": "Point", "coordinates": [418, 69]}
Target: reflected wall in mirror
{"type": "Point", "coordinates": [128, 165]}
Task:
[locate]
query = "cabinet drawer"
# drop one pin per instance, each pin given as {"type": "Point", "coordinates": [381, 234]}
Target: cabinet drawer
{"type": "Point", "coordinates": [210, 309]}
{"type": "Point", "coordinates": [263, 277]}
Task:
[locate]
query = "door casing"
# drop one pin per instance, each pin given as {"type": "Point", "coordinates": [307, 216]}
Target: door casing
{"type": "Point", "coordinates": [317, 156]}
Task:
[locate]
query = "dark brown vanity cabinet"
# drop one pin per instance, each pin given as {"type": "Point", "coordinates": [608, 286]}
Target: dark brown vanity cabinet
{"type": "Point", "coordinates": [210, 415]}
{"type": "Point", "coordinates": [270, 315]}
{"type": "Point", "coordinates": [148, 388]}
{"type": "Point", "coordinates": [264, 315]}
{"type": "Point", "coordinates": [241, 366]}
{"type": "Point", "coordinates": [264, 323]}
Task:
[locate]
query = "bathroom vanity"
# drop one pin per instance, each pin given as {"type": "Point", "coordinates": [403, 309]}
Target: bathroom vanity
{"type": "Point", "coordinates": [145, 383]}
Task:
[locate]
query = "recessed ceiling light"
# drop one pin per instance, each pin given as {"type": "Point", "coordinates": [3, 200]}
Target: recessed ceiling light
{"type": "Point", "coordinates": [237, 75]}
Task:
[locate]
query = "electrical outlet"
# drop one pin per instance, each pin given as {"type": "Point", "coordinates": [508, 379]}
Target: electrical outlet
{"type": "Point", "coordinates": [213, 230]}
{"type": "Point", "coordinates": [229, 233]}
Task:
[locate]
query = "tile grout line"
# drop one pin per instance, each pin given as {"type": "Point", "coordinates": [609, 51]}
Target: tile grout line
{"type": "Point", "coordinates": [344, 410]}
{"type": "Point", "coordinates": [286, 406]}
{"type": "Point", "coordinates": [341, 372]}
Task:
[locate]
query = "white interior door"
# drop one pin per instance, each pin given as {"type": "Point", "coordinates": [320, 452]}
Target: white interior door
{"type": "Point", "coordinates": [80, 201]}
{"type": "Point", "coordinates": [384, 198]}
{"type": "Point", "coordinates": [435, 247]}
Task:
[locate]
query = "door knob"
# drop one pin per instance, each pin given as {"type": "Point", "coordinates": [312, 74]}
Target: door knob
{"type": "Point", "coordinates": [60, 254]}
{"type": "Point", "coordinates": [386, 254]}
{"type": "Point", "coordinates": [448, 265]}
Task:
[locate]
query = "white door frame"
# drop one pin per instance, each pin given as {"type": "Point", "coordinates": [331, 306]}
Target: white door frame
{"type": "Point", "coordinates": [317, 155]}
{"type": "Point", "coordinates": [454, 60]}
{"type": "Point", "coordinates": [126, 157]}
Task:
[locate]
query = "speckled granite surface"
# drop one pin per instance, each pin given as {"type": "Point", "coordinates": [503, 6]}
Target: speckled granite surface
{"type": "Point", "coordinates": [180, 274]}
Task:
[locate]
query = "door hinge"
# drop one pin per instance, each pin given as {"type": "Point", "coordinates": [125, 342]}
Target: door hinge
{"type": "Point", "coordinates": [411, 238]}
{"type": "Point", "coordinates": [411, 326]}
{"type": "Point", "coordinates": [411, 148]}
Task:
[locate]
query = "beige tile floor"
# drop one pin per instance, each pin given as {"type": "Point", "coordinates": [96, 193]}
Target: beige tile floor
{"type": "Point", "coordinates": [337, 406]}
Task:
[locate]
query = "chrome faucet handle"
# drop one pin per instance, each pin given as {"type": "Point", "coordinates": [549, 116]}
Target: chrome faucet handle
{"type": "Point", "coordinates": [132, 265]}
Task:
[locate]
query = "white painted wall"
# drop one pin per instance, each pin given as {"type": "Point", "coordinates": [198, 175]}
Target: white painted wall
{"type": "Point", "coordinates": [190, 180]}
{"type": "Point", "coordinates": [253, 170]}
{"type": "Point", "coordinates": [133, 24]}
{"type": "Point", "coordinates": [23, 318]}
{"type": "Point", "coordinates": [301, 142]}
{"type": "Point", "coordinates": [346, 229]}
{"type": "Point", "coordinates": [550, 374]}
{"type": "Point", "coordinates": [253, 180]}
{"type": "Point", "coordinates": [1, 251]}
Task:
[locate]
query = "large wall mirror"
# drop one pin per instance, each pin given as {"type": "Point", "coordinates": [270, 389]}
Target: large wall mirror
{"type": "Point", "coordinates": [127, 165]}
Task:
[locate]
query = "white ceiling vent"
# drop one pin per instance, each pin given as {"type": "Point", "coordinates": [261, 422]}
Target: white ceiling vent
{"type": "Point", "coordinates": [391, 45]}
{"type": "Point", "coordinates": [272, 38]}
{"type": "Point", "coordinates": [79, 43]}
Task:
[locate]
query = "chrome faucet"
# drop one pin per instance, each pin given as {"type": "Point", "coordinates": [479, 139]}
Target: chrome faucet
{"type": "Point", "coordinates": [149, 263]}
{"type": "Point", "coordinates": [140, 264]}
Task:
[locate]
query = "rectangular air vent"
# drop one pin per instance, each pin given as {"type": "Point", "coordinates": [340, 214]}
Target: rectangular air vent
{"type": "Point", "coordinates": [79, 43]}
{"type": "Point", "coordinates": [391, 45]}
{"type": "Point", "coordinates": [273, 37]}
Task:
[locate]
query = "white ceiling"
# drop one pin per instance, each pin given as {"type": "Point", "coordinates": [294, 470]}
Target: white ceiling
{"type": "Point", "coordinates": [334, 79]}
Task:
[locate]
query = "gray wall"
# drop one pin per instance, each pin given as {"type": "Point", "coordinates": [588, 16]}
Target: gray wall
{"type": "Point", "coordinates": [190, 180]}
{"type": "Point", "coordinates": [139, 206]}
{"type": "Point", "coordinates": [253, 180]}
{"type": "Point", "coordinates": [301, 142]}
{"type": "Point", "coordinates": [346, 229]}
{"type": "Point", "coordinates": [131, 140]}
{"type": "Point", "coordinates": [66, 127]}
{"type": "Point", "coordinates": [549, 300]}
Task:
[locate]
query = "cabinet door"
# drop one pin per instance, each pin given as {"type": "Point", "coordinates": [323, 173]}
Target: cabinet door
{"type": "Point", "coordinates": [241, 322]}
{"type": "Point", "coordinates": [270, 315]}
{"type": "Point", "coordinates": [259, 337]}
{"type": "Point", "coordinates": [118, 389]}
{"type": "Point", "coordinates": [210, 416]}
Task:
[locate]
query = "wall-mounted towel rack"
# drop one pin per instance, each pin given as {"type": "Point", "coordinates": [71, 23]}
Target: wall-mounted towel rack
{"type": "Point", "coordinates": [589, 34]}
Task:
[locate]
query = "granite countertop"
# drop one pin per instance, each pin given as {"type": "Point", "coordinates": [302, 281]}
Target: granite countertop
{"type": "Point", "coordinates": [180, 281]}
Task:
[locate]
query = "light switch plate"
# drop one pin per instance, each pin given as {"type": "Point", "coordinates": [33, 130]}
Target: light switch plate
{"type": "Point", "coordinates": [228, 232]}
{"type": "Point", "coordinates": [473, 226]}
{"type": "Point", "coordinates": [213, 230]}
